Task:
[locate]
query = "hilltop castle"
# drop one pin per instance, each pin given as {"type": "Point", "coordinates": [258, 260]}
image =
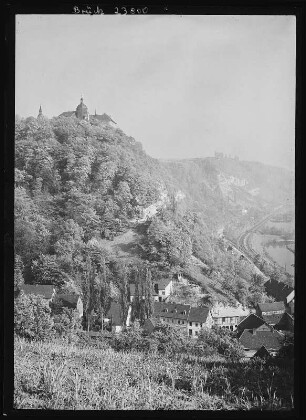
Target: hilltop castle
{"type": "Point", "coordinates": [82, 113]}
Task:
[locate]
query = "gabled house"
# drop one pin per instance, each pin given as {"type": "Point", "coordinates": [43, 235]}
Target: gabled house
{"type": "Point", "coordinates": [198, 318]}
{"type": "Point", "coordinates": [273, 308]}
{"type": "Point", "coordinates": [172, 313]}
{"type": "Point", "coordinates": [46, 291]}
{"type": "Point", "coordinates": [253, 322]}
{"type": "Point", "coordinates": [254, 332]}
{"type": "Point", "coordinates": [114, 317]}
{"type": "Point", "coordinates": [162, 289]}
{"type": "Point", "coordinates": [72, 301]}
{"type": "Point", "coordinates": [228, 316]}
{"type": "Point", "coordinates": [285, 323]}
{"type": "Point", "coordinates": [190, 319]}
{"type": "Point", "coordinates": [270, 339]}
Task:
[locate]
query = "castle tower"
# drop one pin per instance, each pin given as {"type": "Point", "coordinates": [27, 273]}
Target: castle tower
{"type": "Point", "coordinates": [82, 111]}
{"type": "Point", "coordinates": [40, 114]}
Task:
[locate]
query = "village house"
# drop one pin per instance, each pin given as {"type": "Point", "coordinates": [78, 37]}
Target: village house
{"type": "Point", "coordinates": [228, 317]}
{"type": "Point", "coordinates": [114, 318]}
{"type": "Point", "coordinates": [199, 318]}
{"type": "Point", "coordinates": [162, 290]}
{"type": "Point", "coordinates": [254, 332]}
{"type": "Point", "coordinates": [271, 312]}
{"type": "Point", "coordinates": [46, 291]}
{"type": "Point", "coordinates": [285, 323]}
{"type": "Point", "coordinates": [71, 301]}
{"type": "Point", "coordinates": [189, 319]}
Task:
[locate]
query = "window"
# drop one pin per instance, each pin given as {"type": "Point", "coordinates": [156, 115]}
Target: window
{"type": "Point", "coordinates": [190, 332]}
{"type": "Point", "coordinates": [190, 323]}
{"type": "Point", "coordinates": [163, 293]}
{"type": "Point", "coordinates": [196, 332]}
{"type": "Point", "coordinates": [196, 324]}
{"type": "Point", "coordinates": [179, 321]}
{"type": "Point", "coordinates": [183, 322]}
{"type": "Point", "coordinates": [201, 325]}
{"type": "Point", "coordinates": [223, 319]}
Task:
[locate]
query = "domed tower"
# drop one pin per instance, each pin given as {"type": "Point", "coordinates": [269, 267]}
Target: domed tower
{"type": "Point", "coordinates": [82, 111]}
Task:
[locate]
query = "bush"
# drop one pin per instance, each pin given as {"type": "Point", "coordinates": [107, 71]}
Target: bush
{"type": "Point", "coordinates": [32, 317]}
{"type": "Point", "coordinates": [286, 352]}
{"type": "Point", "coordinates": [222, 341]}
{"type": "Point", "coordinates": [67, 323]}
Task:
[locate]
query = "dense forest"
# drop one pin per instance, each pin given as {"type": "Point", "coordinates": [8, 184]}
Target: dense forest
{"type": "Point", "coordinates": [80, 187]}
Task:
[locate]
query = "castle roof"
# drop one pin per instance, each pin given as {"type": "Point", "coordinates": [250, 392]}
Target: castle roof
{"type": "Point", "coordinates": [81, 105]}
{"type": "Point", "coordinates": [103, 118]}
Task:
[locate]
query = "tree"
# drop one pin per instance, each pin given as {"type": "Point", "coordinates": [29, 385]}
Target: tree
{"type": "Point", "coordinates": [66, 322]}
{"type": "Point", "coordinates": [32, 317]}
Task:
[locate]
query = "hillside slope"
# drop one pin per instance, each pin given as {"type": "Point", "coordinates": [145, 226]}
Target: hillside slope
{"type": "Point", "coordinates": [90, 205]}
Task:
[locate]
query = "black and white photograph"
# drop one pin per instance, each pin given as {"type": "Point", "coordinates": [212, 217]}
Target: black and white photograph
{"type": "Point", "coordinates": [154, 211]}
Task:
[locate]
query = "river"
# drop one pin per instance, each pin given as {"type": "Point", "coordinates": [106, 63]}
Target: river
{"type": "Point", "coordinates": [276, 248]}
{"type": "Point", "coordinates": [282, 256]}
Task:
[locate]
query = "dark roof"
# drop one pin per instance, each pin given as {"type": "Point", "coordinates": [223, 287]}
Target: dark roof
{"type": "Point", "coordinates": [69, 299]}
{"type": "Point", "coordinates": [162, 283]}
{"type": "Point", "coordinates": [269, 339]}
{"type": "Point", "coordinates": [198, 314]}
{"type": "Point", "coordinates": [104, 118]}
{"type": "Point", "coordinates": [273, 306]}
{"type": "Point", "coordinates": [262, 352]}
{"type": "Point", "coordinates": [115, 314]}
{"type": "Point", "coordinates": [45, 290]}
{"type": "Point", "coordinates": [171, 310]}
{"type": "Point", "coordinates": [286, 323]}
{"type": "Point", "coordinates": [250, 322]}
{"type": "Point", "coordinates": [277, 289]}
{"type": "Point", "coordinates": [272, 319]}
{"type": "Point", "coordinates": [67, 114]}
{"type": "Point", "coordinates": [180, 311]}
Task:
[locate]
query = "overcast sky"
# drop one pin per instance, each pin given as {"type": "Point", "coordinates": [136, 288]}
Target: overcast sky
{"type": "Point", "coordinates": [184, 86]}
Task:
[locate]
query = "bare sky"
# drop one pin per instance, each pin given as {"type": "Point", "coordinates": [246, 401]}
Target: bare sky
{"type": "Point", "coordinates": [184, 86]}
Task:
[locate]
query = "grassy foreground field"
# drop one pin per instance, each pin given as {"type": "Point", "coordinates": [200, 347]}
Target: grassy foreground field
{"type": "Point", "coordinates": [57, 375]}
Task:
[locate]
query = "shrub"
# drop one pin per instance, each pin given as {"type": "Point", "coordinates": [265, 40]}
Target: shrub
{"type": "Point", "coordinates": [67, 323]}
{"type": "Point", "coordinates": [32, 317]}
{"type": "Point", "coordinates": [222, 341]}
{"type": "Point", "coordinates": [286, 352]}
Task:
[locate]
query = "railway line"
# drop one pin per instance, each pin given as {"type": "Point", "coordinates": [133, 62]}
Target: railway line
{"type": "Point", "coordinates": [243, 242]}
